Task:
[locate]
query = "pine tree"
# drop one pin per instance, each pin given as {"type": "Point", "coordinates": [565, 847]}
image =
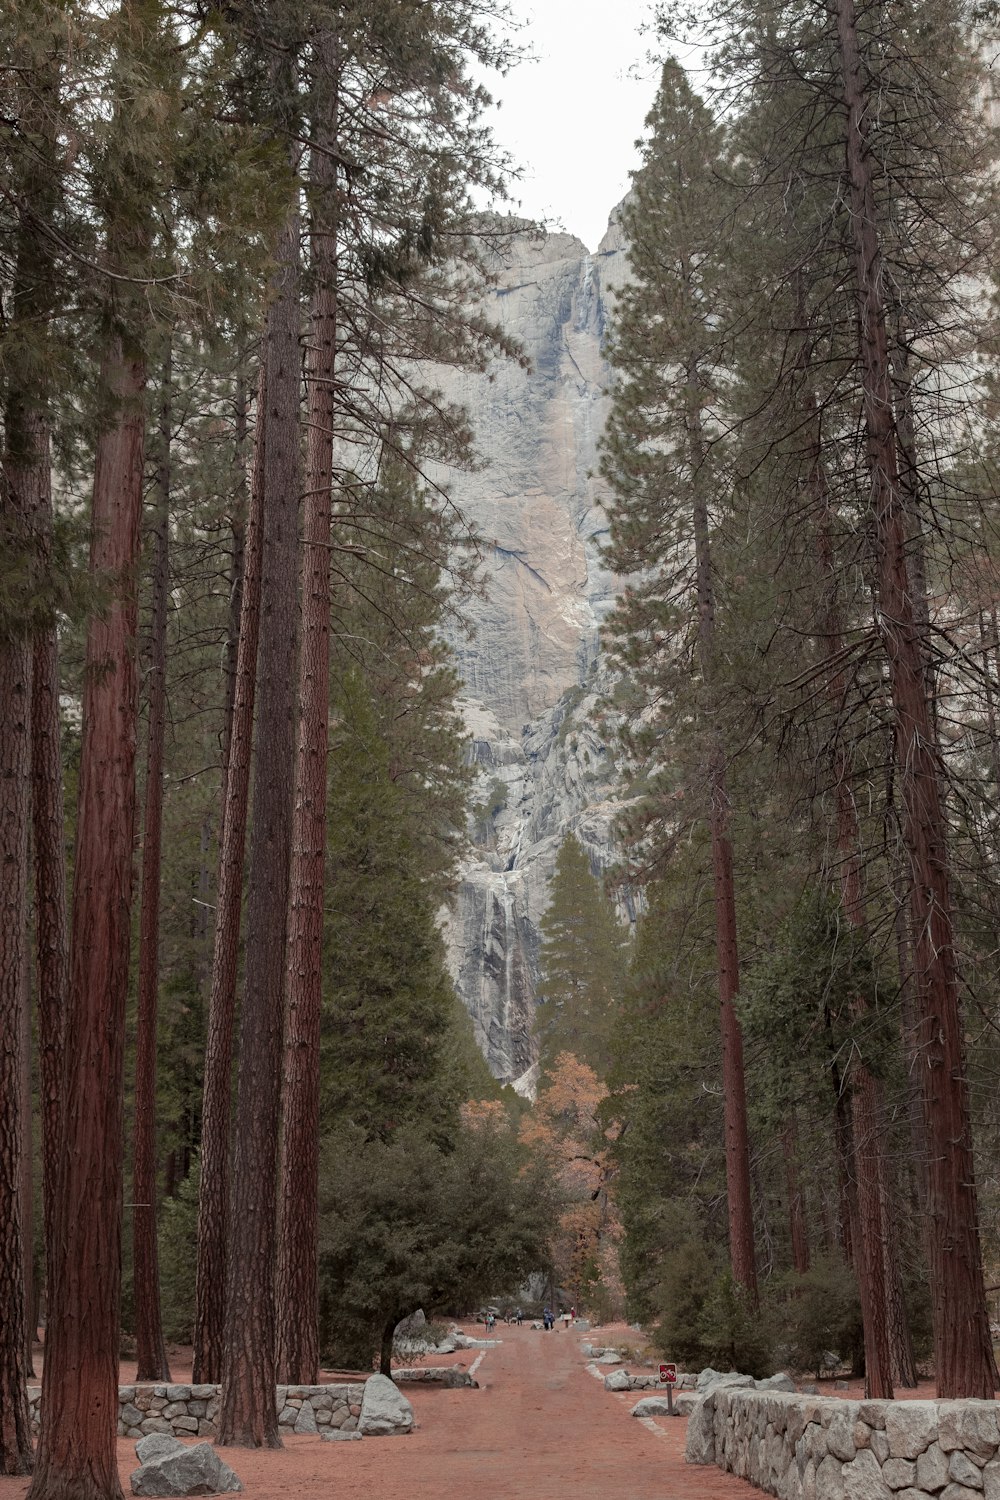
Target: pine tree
{"type": "Point", "coordinates": [582, 962]}
{"type": "Point", "coordinates": [668, 480]}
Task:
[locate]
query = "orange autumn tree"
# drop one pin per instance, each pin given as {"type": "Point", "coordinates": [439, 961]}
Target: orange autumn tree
{"type": "Point", "coordinates": [566, 1130]}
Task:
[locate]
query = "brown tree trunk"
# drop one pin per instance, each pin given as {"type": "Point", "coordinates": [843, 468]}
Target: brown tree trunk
{"type": "Point", "coordinates": [213, 1198]}
{"type": "Point", "coordinates": [843, 1132]}
{"type": "Point", "coordinates": [27, 1175]}
{"type": "Point", "coordinates": [796, 1212]}
{"type": "Point", "coordinates": [29, 444]}
{"type": "Point", "coordinates": [15, 762]}
{"type": "Point", "coordinates": [239, 529]}
{"type": "Point", "coordinates": [77, 1454]}
{"type": "Point", "coordinates": [904, 1365]}
{"type": "Point", "coordinates": [51, 915]}
{"type": "Point", "coordinates": [297, 1290]}
{"type": "Point", "coordinates": [866, 1094]}
{"type": "Point", "coordinates": [151, 1358]}
{"type": "Point", "coordinates": [741, 1237]}
{"type": "Point", "coordinates": [964, 1362]}
{"type": "Point", "coordinates": [385, 1348]}
{"type": "Point", "coordinates": [908, 1026]}
{"type": "Point", "coordinates": [247, 1412]}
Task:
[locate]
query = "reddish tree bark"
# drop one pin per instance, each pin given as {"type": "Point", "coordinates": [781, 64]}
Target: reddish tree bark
{"type": "Point", "coordinates": [866, 1096]}
{"type": "Point", "coordinates": [27, 1176]}
{"type": "Point", "coordinates": [964, 1362]}
{"type": "Point", "coordinates": [15, 700]}
{"type": "Point", "coordinates": [213, 1199]}
{"type": "Point", "coordinates": [297, 1293]}
{"type": "Point", "coordinates": [77, 1455]}
{"type": "Point", "coordinates": [741, 1238]}
{"type": "Point", "coordinates": [247, 1412]}
{"type": "Point", "coordinates": [796, 1212]}
{"type": "Point", "coordinates": [151, 1358]}
{"type": "Point", "coordinates": [51, 915]}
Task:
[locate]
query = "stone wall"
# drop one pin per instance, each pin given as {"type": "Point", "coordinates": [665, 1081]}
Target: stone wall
{"type": "Point", "coordinates": [187, 1411]}
{"type": "Point", "coordinates": [820, 1448]}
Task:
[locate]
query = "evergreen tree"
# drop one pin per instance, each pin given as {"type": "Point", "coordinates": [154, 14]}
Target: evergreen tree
{"type": "Point", "coordinates": [583, 963]}
{"type": "Point", "coordinates": [665, 463]}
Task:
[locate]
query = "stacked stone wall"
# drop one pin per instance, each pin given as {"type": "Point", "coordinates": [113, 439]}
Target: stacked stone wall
{"type": "Point", "coordinates": [187, 1411]}
{"type": "Point", "coordinates": [820, 1448]}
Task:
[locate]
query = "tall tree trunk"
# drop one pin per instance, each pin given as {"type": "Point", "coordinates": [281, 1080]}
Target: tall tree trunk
{"type": "Point", "coordinates": [247, 1413]}
{"type": "Point", "coordinates": [904, 1365]}
{"type": "Point", "coordinates": [385, 1347]}
{"type": "Point", "coordinates": [843, 1134]}
{"type": "Point", "coordinates": [741, 1238]}
{"type": "Point", "coordinates": [27, 1175]}
{"type": "Point", "coordinates": [796, 1212]}
{"type": "Point", "coordinates": [297, 1289]}
{"type": "Point", "coordinates": [213, 1198]}
{"type": "Point", "coordinates": [151, 1358]}
{"type": "Point", "coordinates": [51, 918]}
{"type": "Point", "coordinates": [15, 761]}
{"type": "Point", "coordinates": [51, 915]}
{"type": "Point", "coordinates": [866, 1094]}
{"type": "Point", "coordinates": [77, 1455]}
{"type": "Point", "coordinates": [238, 564]}
{"type": "Point", "coordinates": [963, 1353]}
{"type": "Point", "coordinates": [29, 445]}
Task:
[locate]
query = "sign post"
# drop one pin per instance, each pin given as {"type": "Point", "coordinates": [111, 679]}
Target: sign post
{"type": "Point", "coordinates": [668, 1377]}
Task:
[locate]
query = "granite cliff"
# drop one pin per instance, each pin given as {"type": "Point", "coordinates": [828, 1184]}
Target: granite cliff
{"type": "Point", "coordinates": [530, 664]}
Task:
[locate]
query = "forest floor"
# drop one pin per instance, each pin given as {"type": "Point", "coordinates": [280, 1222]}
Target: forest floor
{"type": "Point", "coordinates": [540, 1427]}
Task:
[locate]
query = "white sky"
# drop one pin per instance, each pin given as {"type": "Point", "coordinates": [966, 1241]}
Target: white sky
{"type": "Point", "coordinates": [571, 117]}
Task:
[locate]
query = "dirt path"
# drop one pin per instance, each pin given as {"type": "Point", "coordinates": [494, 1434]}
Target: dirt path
{"type": "Point", "coordinates": [540, 1428]}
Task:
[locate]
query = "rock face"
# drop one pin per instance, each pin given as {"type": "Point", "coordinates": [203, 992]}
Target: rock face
{"type": "Point", "coordinates": [530, 668]}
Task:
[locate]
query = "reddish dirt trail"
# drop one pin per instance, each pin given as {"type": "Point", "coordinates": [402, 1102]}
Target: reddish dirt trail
{"type": "Point", "coordinates": [540, 1428]}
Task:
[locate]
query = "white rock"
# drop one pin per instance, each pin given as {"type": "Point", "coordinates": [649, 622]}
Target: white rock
{"type": "Point", "coordinates": [618, 1380]}
{"type": "Point", "coordinates": [830, 1479]}
{"type": "Point", "coordinates": [879, 1444]}
{"type": "Point", "coordinates": [155, 1444]}
{"type": "Point", "coordinates": [197, 1470]}
{"type": "Point", "coordinates": [963, 1471]}
{"type": "Point", "coordinates": [699, 1447]}
{"type": "Point", "coordinates": [991, 1480]}
{"type": "Point", "coordinates": [959, 1492]}
{"type": "Point", "coordinates": [932, 1469]}
{"type": "Point", "coordinates": [911, 1427]}
{"type": "Point", "coordinates": [863, 1478]}
{"type": "Point", "coordinates": [840, 1433]}
{"type": "Point", "coordinates": [970, 1425]}
{"type": "Point", "coordinates": [651, 1406]}
{"type": "Point", "coordinates": [384, 1410]}
{"type": "Point", "coordinates": [609, 1357]}
{"type": "Point", "coordinates": [306, 1420]}
{"type": "Point", "coordinates": [899, 1473]}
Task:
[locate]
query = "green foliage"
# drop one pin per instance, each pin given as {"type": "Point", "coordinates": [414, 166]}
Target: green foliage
{"type": "Point", "coordinates": [818, 1313]}
{"type": "Point", "coordinates": [178, 1246]}
{"type": "Point", "coordinates": [817, 1002]}
{"type": "Point", "coordinates": [583, 964]}
{"type": "Point", "coordinates": [686, 1277]}
{"type": "Point", "coordinates": [707, 1318]}
{"type": "Point", "coordinates": [405, 1224]}
{"type": "Point", "coordinates": [390, 1005]}
{"type": "Point", "coordinates": [662, 1089]}
{"type": "Point", "coordinates": [734, 1333]}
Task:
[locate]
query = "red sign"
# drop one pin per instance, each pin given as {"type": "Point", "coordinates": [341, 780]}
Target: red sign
{"type": "Point", "coordinates": [668, 1374]}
